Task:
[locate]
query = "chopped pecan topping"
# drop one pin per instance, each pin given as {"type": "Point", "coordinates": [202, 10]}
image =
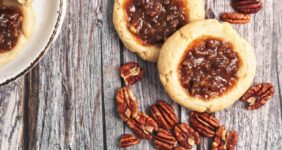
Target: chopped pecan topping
{"type": "Point", "coordinates": [209, 68]}
{"type": "Point", "coordinates": [164, 114]}
{"type": "Point", "coordinates": [164, 140]}
{"type": "Point", "coordinates": [247, 6]}
{"type": "Point", "coordinates": [127, 140]}
{"type": "Point", "coordinates": [204, 123]}
{"type": "Point", "coordinates": [186, 136]}
{"type": "Point", "coordinates": [235, 18]}
{"type": "Point", "coordinates": [258, 95]}
{"type": "Point", "coordinates": [11, 21]}
{"type": "Point", "coordinates": [143, 125]}
{"type": "Point", "coordinates": [127, 105]}
{"type": "Point", "coordinates": [131, 73]}
{"type": "Point", "coordinates": [153, 21]}
{"type": "Point", "coordinates": [225, 140]}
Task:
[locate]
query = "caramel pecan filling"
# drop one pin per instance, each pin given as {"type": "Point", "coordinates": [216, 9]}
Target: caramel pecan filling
{"type": "Point", "coordinates": [10, 25]}
{"type": "Point", "coordinates": [209, 68]}
{"type": "Point", "coordinates": [153, 21]}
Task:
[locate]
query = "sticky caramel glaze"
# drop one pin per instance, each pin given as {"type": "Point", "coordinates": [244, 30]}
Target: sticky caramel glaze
{"type": "Point", "coordinates": [10, 26]}
{"type": "Point", "coordinates": [209, 68]}
{"type": "Point", "coordinates": [153, 21]}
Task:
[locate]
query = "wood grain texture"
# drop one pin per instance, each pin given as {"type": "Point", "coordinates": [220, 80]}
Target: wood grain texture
{"type": "Point", "coordinates": [111, 60]}
{"type": "Point", "coordinates": [68, 100]}
{"type": "Point", "coordinates": [11, 115]}
{"type": "Point", "coordinates": [65, 104]}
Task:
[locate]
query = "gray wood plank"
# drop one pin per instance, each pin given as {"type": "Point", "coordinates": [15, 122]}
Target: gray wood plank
{"type": "Point", "coordinates": [274, 135]}
{"type": "Point", "coordinates": [65, 94]}
{"type": "Point", "coordinates": [11, 115]}
{"type": "Point", "coordinates": [111, 60]}
{"type": "Point", "coordinates": [259, 129]}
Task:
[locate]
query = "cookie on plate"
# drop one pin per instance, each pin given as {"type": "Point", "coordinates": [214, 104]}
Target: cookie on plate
{"type": "Point", "coordinates": [206, 66]}
{"type": "Point", "coordinates": [143, 25]}
{"type": "Point", "coordinates": [16, 26]}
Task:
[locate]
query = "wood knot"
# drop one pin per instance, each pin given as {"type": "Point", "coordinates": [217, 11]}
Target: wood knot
{"type": "Point", "coordinates": [99, 23]}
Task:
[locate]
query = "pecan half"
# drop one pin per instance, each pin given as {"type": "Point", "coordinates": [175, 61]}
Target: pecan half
{"type": "Point", "coordinates": [247, 6]}
{"type": "Point", "coordinates": [164, 140]}
{"type": "Point", "coordinates": [164, 114]}
{"type": "Point", "coordinates": [225, 140]}
{"type": "Point", "coordinates": [143, 125]}
{"type": "Point", "coordinates": [186, 136]}
{"type": "Point", "coordinates": [204, 123]}
{"type": "Point", "coordinates": [127, 105]}
{"type": "Point", "coordinates": [127, 140]}
{"type": "Point", "coordinates": [235, 18]}
{"type": "Point", "coordinates": [131, 73]}
{"type": "Point", "coordinates": [258, 95]}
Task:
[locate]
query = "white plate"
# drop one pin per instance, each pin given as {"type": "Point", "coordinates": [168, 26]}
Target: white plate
{"type": "Point", "coordinates": [49, 16]}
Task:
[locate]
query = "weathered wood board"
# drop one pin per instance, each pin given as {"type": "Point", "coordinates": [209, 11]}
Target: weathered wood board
{"type": "Point", "coordinates": [68, 100]}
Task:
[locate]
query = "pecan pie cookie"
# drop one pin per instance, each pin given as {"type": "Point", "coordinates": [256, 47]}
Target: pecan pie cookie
{"type": "Point", "coordinates": [206, 66]}
{"type": "Point", "coordinates": [143, 25]}
{"type": "Point", "coordinates": [16, 24]}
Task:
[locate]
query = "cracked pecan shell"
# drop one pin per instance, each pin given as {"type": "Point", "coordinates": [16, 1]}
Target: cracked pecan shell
{"type": "Point", "coordinates": [143, 125]}
{"type": "Point", "coordinates": [186, 136]}
{"type": "Point", "coordinates": [127, 140]}
{"type": "Point", "coordinates": [235, 18]}
{"type": "Point", "coordinates": [225, 140]}
{"type": "Point", "coordinates": [164, 114]}
{"type": "Point", "coordinates": [164, 140]}
{"type": "Point", "coordinates": [258, 95]}
{"type": "Point", "coordinates": [131, 73]}
{"type": "Point", "coordinates": [204, 123]}
{"type": "Point", "coordinates": [127, 105]}
{"type": "Point", "coordinates": [247, 6]}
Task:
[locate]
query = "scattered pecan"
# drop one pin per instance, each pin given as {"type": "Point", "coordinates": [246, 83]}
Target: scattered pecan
{"type": "Point", "coordinates": [127, 105]}
{"type": "Point", "coordinates": [235, 18]}
{"type": "Point", "coordinates": [127, 140]}
{"type": "Point", "coordinates": [131, 73]}
{"type": "Point", "coordinates": [179, 148]}
{"type": "Point", "coordinates": [258, 95]}
{"type": "Point", "coordinates": [186, 136]}
{"type": "Point", "coordinates": [247, 6]}
{"type": "Point", "coordinates": [204, 123]}
{"type": "Point", "coordinates": [225, 140]}
{"type": "Point", "coordinates": [164, 140]}
{"type": "Point", "coordinates": [164, 114]}
{"type": "Point", "coordinates": [143, 125]}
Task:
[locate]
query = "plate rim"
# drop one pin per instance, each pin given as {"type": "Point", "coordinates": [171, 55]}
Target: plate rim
{"type": "Point", "coordinates": [55, 32]}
